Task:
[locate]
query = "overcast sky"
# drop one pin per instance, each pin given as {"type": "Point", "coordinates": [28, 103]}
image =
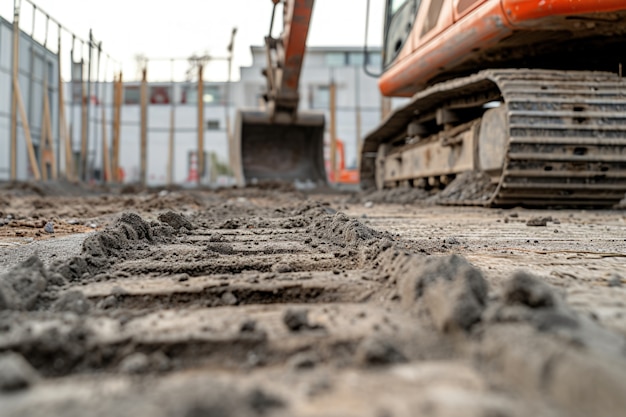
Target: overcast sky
{"type": "Point", "coordinates": [184, 27]}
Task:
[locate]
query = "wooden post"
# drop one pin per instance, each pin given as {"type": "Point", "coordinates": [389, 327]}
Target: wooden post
{"type": "Point", "coordinates": [170, 149]}
{"type": "Point", "coordinates": [63, 130]}
{"type": "Point", "coordinates": [117, 114]}
{"type": "Point", "coordinates": [357, 99]}
{"type": "Point", "coordinates": [16, 48]}
{"type": "Point", "coordinates": [200, 124]}
{"type": "Point", "coordinates": [47, 157]}
{"type": "Point", "coordinates": [106, 161]}
{"type": "Point", "coordinates": [144, 127]}
{"type": "Point", "coordinates": [333, 131]}
{"type": "Point", "coordinates": [29, 141]}
{"type": "Point", "coordinates": [84, 124]}
{"type": "Point", "coordinates": [385, 107]}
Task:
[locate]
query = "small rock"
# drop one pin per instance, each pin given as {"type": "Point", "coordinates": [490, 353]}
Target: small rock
{"type": "Point", "coordinates": [374, 351]}
{"type": "Point", "coordinates": [368, 204]}
{"type": "Point", "coordinates": [262, 403]}
{"type": "Point", "coordinates": [282, 267]}
{"type": "Point", "coordinates": [49, 227]}
{"type": "Point", "coordinates": [161, 361]}
{"type": "Point", "coordinates": [229, 299]}
{"type": "Point", "coordinates": [108, 302]}
{"type": "Point", "coordinates": [538, 221]}
{"type": "Point", "coordinates": [15, 372]}
{"type": "Point", "coordinates": [248, 326]}
{"type": "Point", "coordinates": [526, 289]}
{"type": "Point", "coordinates": [298, 319]}
{"type": "Point", "coordinates": [303, 360]}
{"type": "Point", "coordinates": [176, 220]}
{"type": "Point", "coordinates": [615, 280]}
{"type": "Point", "coordinates": [135, 363]}
{"type": "Point", "coordinates": [74, 301]}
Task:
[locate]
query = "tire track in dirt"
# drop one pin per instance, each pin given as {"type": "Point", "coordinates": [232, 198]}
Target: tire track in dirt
{"type": "Point", "coordinates": [244, 310]}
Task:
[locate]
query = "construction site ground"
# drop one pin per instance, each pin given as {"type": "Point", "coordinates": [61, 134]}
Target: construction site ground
{"type": "Point", "coordinates": [275, 302]}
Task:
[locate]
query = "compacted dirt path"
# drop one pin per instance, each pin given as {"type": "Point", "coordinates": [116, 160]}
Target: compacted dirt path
{"type": "Point", "coordinates": [270, 303]}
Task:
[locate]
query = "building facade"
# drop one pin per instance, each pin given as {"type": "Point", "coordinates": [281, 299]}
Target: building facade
{"type": "Point", "coordinates": [357, 110]}
{"type": "Point", "coordinates": [38, 67]}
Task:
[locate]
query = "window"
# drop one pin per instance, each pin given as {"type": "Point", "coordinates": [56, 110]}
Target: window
{"type": "Point", "coordinates": [335, 59]}
{"type": "Point", "coordinates": [132, 95]}
{"type": "Point", "coordinates": [400, 17]}
{"type": "Point", "coordinates": [321, 97]}
{"type": "Point", "coordinates": [356, 58]}
{"type": "Point", "coordinates": [432, 16]}
{"type": "Point", "coordinates": [212, 94]}
{"type": "Point", "coordinates": [160, 94]}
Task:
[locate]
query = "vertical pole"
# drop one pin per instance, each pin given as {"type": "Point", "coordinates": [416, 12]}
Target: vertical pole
{"type": "Point", "coordinates": [72, 133]}
{"type": "Point", "coordinates": [92, 160]}
{"type": "Point", "coordinates": [170, 147]}
{"type": "Point", "coordinates": [200, 124]}
{"type": "Point", "coordinates": [333, 130]}
{"type": "Point", "coordinates": [144, 126]}
{"type": "Point", "coordinates": [46, 145]}
{"type": "Point", "coordinates": [84, 121]}
{"type": "Point", "coordinates": [31, 78]}
{"type": "Point", "coordinates": [117, 103]}
{"type": "Point", "coordinates": [46, 141]}
{"type": "Point", "coordinates": [16, 45]}
{"type": "Point", "coordinates": [63, 131]}
{"type": "Point", "coordinates": [231, 47]}
{"type": "Point", "coordinates": [385, 107]}
{"type": "Point", "coordinates": [106, 162]}
{"type": "Point", "coordinates": [87, 174]}
{"type": "Point", "coordinates": [357, 99]}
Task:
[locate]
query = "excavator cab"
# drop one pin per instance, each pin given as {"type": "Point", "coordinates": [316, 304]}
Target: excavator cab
{"type": "Point", "coordinates": [280, 143]}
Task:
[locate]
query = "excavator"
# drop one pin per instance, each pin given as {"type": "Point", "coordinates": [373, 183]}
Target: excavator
{"type": "Point", "coordinates": [527, 93]}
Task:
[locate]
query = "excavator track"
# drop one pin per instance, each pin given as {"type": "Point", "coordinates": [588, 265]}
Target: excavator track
{"type": "Point", "coordinates": [563, 134]}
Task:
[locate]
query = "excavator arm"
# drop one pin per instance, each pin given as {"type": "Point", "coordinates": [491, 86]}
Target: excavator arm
{"type": "Point", "coordinates": [280, 143]}
{"type": "Point", "coordinates": [285, 56]}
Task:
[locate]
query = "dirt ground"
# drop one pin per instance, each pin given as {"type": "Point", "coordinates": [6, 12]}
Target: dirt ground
{"type": "Point", "coordinates": [274, 302]}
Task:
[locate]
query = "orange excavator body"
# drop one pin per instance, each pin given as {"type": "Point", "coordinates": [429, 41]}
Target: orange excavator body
{"type": "Point", "coordinates": [452, 38]}
{"type": "Point", "coordinates": [527, 92]}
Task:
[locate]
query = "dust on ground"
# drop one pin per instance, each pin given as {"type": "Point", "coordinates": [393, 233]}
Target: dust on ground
{"type": "Point", "coordinates": [276, 302]}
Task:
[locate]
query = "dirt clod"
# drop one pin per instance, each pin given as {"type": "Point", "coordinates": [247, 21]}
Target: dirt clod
{"type": "Point", "coordinates": [15, 372]}
{"type": "Point", "coordinates": [74, 301]}
{"type": "Point", "coordinates": [20, 287]}
{"type": "Point", "coordinates": [377, 351]}
{"type": "Point", "coordinates": [135, 363]}
{"type": "Point", "coordinates": [538, 221]}
{"type": "Point", "coordinates": [524, 288]}
{"type": "Point", "coordinates": [298, 320]}
{"type": "Point", "coordinates": [452, 290]}
{"type": "Point", "coordinates": [176, 220]}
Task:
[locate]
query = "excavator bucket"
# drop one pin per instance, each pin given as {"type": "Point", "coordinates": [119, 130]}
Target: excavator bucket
{"type": "Point", "coordinates": [265, 150]}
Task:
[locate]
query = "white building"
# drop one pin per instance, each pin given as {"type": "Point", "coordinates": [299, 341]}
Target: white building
{"type": "Point", "coordinates": [356, 92]}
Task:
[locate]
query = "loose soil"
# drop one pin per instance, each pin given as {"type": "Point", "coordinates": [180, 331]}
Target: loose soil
{"type": "Point", "coordinates": [275, 302]}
